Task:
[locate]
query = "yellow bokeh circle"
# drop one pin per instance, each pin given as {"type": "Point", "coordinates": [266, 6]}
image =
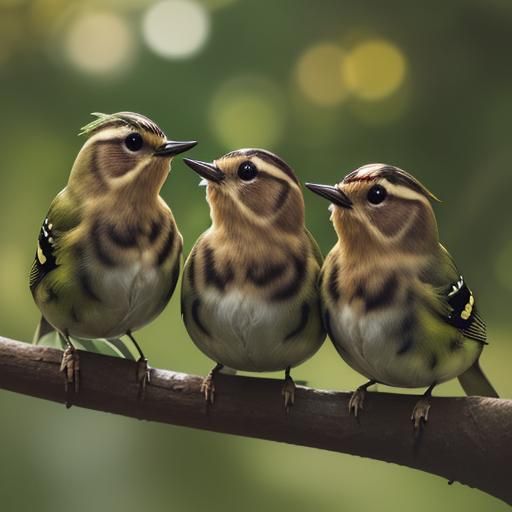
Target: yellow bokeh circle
{"type": "Point", "coordinates": [318, 74]}
{"type": "Point", "coordinates": [374, 69]}
{"type": "Point", "coordinates": [247, 111]}
{"type": "Point", "coordinates": [99, 43]}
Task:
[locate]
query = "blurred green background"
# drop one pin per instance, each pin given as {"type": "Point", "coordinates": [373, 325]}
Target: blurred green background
{"type": "Point", "coordinates": [329, 85]}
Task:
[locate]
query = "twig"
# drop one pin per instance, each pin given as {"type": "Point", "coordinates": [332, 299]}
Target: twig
{"type": "Point", "coordinates": [468, 440]}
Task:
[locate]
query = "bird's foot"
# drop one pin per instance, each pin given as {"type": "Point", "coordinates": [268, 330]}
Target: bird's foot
{"type": "Point", "coordinates": [288, 393]}
{"type": "Point", "coordinates": [420, 413]}
{"type": "Point", "coordinates": [356, 402]}
{"type": "Point", "coordinates": [143, 376]}
{"type": "Point", "coordinates": [70, 367]}
{"type": "Point", "coordinates": [208, 388]}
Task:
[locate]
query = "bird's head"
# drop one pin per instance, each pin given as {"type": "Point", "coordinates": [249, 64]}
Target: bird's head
{"type": "Point", "coordinates": [252, 188]}
{"type": "Point", "coordinates": [123, 151]}
{"type": "Point", "coordinates": [381, 208]}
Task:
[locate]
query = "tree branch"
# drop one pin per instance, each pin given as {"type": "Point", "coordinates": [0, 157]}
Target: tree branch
{"type": "Point", "coordinates": [466, 439]}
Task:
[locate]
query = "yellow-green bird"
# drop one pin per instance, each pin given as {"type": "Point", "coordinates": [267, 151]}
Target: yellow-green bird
{"type": "Point", "coordinates": [109, 251]}
{"type": "Point", "coordinates": [250, 299]}
{"type": "Point", "coordinates": [394, 304]}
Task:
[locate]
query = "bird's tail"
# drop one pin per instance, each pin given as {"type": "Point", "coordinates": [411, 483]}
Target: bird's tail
{"type": "Point", "coordinates": [475, 383]}
{"type": "Point", "coordinates": [43, 328]}
{"type": "Point", "coordinates": [48, 336]}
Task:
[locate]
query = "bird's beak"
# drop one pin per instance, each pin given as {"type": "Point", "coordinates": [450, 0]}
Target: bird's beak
{"type": "Point", "coordinates": [172, 148]}
{"type": "Point", "coordinates": [333, 194]}
{"type": "Point", "coordinates": [207, 170]}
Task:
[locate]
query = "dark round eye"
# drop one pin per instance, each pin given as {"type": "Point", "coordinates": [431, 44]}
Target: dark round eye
{"type": "Point", "coordinates": [247, 171]}
{"type": "Point", "coordinates": [134, 141]}
{"type": "Point", "coordinates": [377, 194]}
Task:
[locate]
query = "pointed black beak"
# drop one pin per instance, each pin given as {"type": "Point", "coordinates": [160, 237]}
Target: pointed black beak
{"type": "Point", "coordinates": [172, 148]}
{"type": "Point", "coordinates": [333, 194]}
{"type": "Point", "coordinates": [208, 171]}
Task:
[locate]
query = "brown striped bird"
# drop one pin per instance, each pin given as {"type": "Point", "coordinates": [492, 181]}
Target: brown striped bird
{"type": "Point", "coordinates": [109, 251]}
{"type": "Point", "coordinates": [394, 304]}
{"type": "Point", "coordinates": [250, 299]}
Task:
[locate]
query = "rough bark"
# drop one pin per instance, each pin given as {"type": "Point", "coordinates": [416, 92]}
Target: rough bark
{"type": "Point", "coordinates": [468, 440]}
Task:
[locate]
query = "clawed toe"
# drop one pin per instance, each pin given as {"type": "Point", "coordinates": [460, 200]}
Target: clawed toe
{"type": "Point", "coordinates": [70, 368]}
{"type": "Point", "coordinates": [143, 376]}
{"type": "Point", "coordinates": [420, 413]}
{"type": "Point", "coordinates": [208, 389]}
{"type": "Point", "coordinates": [356, 401]}
{"type": "Point", "coordinates": [288, 393]}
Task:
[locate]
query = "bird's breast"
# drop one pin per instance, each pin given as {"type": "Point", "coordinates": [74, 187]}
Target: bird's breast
{"type": "Point", "coordinates": [248, 333]}
{"type": "Point", "coordinates": [399, 346]}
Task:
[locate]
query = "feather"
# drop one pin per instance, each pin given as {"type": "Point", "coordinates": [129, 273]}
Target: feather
{"type": "Point", "coordinates": [137, 121]}
{"type": "Point", "coordinates": [463, 313]}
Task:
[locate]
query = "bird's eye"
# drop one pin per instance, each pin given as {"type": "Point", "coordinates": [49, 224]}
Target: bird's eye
{"type": "Point", "coordinates": [247, 171]}
{"type": "Point", "coordinates": [134, 141]}
{"type": "Point", "coordinates": [377, 194]}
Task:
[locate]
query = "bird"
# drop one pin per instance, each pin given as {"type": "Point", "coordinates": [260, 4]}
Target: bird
{"type": "Point", "coordinates": [394, 303]}
{"type": "Point", "coordinates": [250, 298]}
{"type": "Point", "coordinates": [109, 251]}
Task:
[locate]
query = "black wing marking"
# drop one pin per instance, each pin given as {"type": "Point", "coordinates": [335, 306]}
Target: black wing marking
{"type": "Point", "coordinates": [464, 315]}
{"type": "Point", "coordinates": [44, 261]}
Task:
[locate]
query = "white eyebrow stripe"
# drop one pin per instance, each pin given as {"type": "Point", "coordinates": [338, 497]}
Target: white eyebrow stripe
{"type": "Point", "coordinates": [109, 134]}
{"type": "Point", "coordinates": [274, 171]}
{"type": "Point", "coordinates": [403, 192]}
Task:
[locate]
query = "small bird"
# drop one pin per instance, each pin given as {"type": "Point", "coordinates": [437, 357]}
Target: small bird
{"type": "Point", "coordinates": [109, 251]}
{"type": "Point", "coordinates": [250, 299]}
{"type": "Point", "coordinates": [394, 304]}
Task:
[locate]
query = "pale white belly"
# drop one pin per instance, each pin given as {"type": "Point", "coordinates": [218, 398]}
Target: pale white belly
{"type": "Point", "coordinates": [130, 297]}
{"type": "Point", "coordinates": [374, 344]}
{"type": "Point", "coordinates": [250, 334]}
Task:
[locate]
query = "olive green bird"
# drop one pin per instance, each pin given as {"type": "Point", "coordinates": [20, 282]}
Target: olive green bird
{"type": "Point", "coordinates": [109, 251]}
{"type": "Point", "coordinates": [250, 299]}
{"type": "Point", "coordinates": [394, 303]}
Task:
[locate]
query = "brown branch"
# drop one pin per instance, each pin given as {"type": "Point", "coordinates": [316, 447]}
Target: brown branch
{"type": "Point", "coordinates": [468, 440]}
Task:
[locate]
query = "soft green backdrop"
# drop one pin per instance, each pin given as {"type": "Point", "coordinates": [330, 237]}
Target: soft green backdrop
{"type": "Point", "coordinates": [329, 85]}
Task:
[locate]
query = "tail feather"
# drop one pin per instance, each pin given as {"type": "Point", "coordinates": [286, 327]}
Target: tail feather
{"type": "Point", "coordinates": [475, 383]}
{"type": "Point", "coordinates": [43, 328]}
{"type": "Point", "coordinates": [47, 335]}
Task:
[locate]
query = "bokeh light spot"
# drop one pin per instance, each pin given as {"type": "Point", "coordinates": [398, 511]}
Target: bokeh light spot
{"type": "Point", "coordinates": [247, 112]}
{"type": "Point", "coordinates": [176, 28]}
{"type": "Point", "coordinates": [374, 69]}
{"type": "Point", "coordinates": [318, 74]}
{"type": "Point", "coordinates": [99, 43]}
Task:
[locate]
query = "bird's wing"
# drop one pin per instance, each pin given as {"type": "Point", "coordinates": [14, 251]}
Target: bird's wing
{"type": "Point", "coordinates": [317, 253]}
{"type": "Point", "coordinates": [61, 218]}
{"type": "Point", "coordinates": [459, 307]}
{"type": "Point", "coordinates": [188, 287]}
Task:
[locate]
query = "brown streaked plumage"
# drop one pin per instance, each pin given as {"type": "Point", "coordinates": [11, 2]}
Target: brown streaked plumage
{"type": "Point", "coordinates": [249, 296]}
{"type": "Point", "coordinates": [394, 303]}
{"type": "Point", "coordinates": [109, 250]}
